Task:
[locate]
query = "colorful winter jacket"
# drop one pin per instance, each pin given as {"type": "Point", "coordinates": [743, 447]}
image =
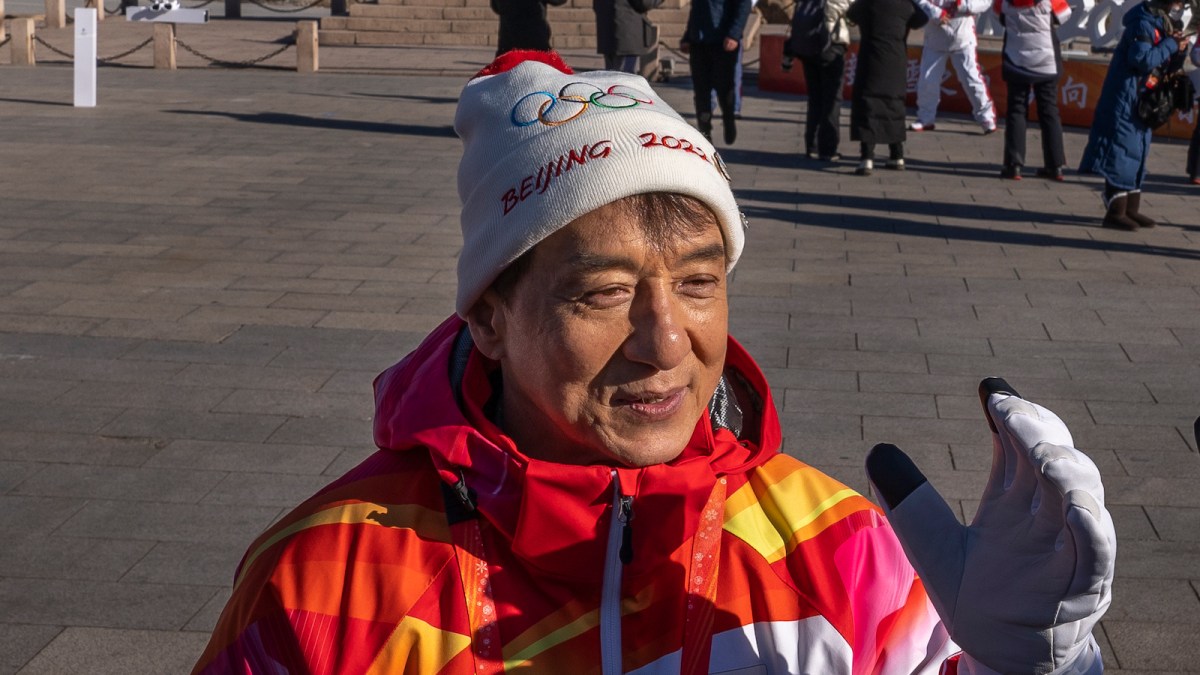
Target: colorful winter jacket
{"type": "Point", "coordinates": [449, 551]}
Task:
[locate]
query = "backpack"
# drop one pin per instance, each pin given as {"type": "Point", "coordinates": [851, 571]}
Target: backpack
{"type": "Point", "coordinates": [809, 34]}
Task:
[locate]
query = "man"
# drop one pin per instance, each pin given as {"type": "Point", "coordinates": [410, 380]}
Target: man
{"type": "Point", "coordinates": [950, 34]}
{"type": "Point", "coordinates": [712, 40]}
{"type": "Point", "coordinates": [580, 472]}
{"type": "Point", "coordinates": [624, 33]}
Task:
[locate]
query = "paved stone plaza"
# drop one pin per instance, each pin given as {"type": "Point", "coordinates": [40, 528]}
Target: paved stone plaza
{"type": "Point", "coordinates": [200, 277]}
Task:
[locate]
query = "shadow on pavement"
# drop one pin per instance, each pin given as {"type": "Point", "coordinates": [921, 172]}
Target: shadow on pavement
{"type": "Point", "coordinates": [882, 223]}
{"type": "Point", "coordinates": [327, 123]}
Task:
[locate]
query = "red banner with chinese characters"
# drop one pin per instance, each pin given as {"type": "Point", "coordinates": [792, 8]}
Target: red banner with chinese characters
{"type": "Point", "coordinates": [1079, 87]}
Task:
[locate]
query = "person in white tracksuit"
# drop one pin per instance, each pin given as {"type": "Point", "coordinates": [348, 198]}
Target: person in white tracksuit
{"type": "Point", "coordinates": [950, 34]}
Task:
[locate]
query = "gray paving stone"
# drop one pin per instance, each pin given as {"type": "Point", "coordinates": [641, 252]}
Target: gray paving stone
{"type": "Point", "coordinates": [57, 557]}
{"type": "Point", "coordinates": [19, 643]}
{"type": "Point", "coordinates": [151, 423]}
{"type": "Point", "coordinates": [187, 563]}
{"type": "Point", "coordinates": [231, 456]}
{"type": "Point", "coordinates": [1155, 646]}
{"type": "Point", "coordinates": [83, 449]}
{"type": "Point", "coordinates": [323, 432]}
{"type": "Point", "coordinates": [205, 621]}
{"type": "Point", "coordinates": [116, 651]}
{"type": "Point", "coordinates": [149, 484]}
{"type": "Point", "coordinates": [29, 516]}
{"type": "Point", "coordinates": [1175, 523]}
{"type": "Point", "coordinates": [1165, 600]}
{"type": "Point", "coordinates": [266, 489]}
{"type": "Point", "coordinates": [218, 524]}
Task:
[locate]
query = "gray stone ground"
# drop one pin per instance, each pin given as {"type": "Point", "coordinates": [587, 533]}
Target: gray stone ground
{"type": "Point", "coordinates": [200, 277]}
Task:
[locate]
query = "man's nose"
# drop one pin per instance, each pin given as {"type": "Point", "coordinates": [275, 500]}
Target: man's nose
{"type": "Point", "coordinates": [660, 331]}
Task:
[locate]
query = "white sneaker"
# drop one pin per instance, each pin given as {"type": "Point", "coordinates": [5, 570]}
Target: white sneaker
{"type": "Point", "coordinates": [895, 164]}
{"type": "Point", "coordinates": [921, 126]}
{"type": "Point", "coordinates": [865, 167]}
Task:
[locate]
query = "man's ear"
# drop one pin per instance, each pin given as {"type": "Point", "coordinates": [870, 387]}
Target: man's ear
{"type": "Point", "coordinates": [487, 321]}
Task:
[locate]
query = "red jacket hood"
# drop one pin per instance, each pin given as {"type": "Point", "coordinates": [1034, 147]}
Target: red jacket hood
{"type": "Point", "coordinates": [557, 515]}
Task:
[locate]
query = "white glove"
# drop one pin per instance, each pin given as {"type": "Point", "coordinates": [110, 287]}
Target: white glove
{"type": "Point", "coordinates": [1020, 589]}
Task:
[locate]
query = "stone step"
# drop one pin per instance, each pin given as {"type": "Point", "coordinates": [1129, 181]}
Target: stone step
{"type": "Point", "coordinates": [472, 22]}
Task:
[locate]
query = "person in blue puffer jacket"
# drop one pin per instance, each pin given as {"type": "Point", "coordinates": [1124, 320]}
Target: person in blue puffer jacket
{"type": "Point", "coordinates": [1119, 142]}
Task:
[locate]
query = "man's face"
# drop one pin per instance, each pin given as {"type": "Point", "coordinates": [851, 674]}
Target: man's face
{"type": "Point", "coordinates": [610, 345]}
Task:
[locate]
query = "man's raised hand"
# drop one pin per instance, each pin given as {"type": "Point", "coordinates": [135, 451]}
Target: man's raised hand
{"type": "Point", "coordinates": [1020, 588]}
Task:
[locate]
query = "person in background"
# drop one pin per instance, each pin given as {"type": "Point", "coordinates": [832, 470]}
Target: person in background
{"type": "Point", "coordinates": [1193, 156]}
{"type": "Point", "coordinates": [737, 77]}
{"type": "Point", "coordinates": [1032, 59]}
{"type": "Point", "coordinates": [1119, 142]}
{"type": "Point", "coordinates": [623, 32]}
{"type": "Point", "coordinates": [819, 37]}
{"type": "Point", "coordinates": [951, 35]}
{"type": "Point", "coordinates": [523, 24]}
{"type": "Point", "coordinates": [880, 77]}
{"type": "Point", "coordinates": [711, 40]}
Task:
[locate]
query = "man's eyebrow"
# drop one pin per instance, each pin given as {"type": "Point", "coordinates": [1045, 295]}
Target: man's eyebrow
{"type": "Point", "coordinates": [587, 262]}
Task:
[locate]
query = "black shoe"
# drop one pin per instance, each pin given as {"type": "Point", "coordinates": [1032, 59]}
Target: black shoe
{"type": "Point", "coordinates": [1051, 174]}
{"type": "Point", "coordinates": [1011, 172]}
{"type": "Point", "coordinates": [730, 130]}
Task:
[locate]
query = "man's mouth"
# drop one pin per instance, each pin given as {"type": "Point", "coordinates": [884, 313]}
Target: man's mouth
{"type": "Point", "coordinates": [652, 405]}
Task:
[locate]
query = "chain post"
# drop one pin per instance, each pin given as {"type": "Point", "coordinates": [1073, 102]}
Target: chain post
{"type": "Point", "coordinates": [100, 11]}
{"type": "Point", "coordinates": [233, 9]}
{"type": "Point", "coordinates": [22, 42]}
{"type": "Point", "coordinates": [307, 60]}
{"type": "Point", "coordinates": [164, 46]}
{"type": "Point", "coordinates": [56, 14]}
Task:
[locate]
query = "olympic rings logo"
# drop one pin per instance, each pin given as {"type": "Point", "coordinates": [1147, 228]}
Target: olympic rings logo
{"type": "Point", "coordinates": [572, 101]}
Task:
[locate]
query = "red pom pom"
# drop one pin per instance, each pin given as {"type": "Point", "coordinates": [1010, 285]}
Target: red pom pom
{"type": "Point", "coordinates": [509, 60]}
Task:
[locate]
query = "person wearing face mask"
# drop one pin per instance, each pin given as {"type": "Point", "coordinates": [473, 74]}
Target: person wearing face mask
{"type": "Point", "coordinates": [1119, 142]}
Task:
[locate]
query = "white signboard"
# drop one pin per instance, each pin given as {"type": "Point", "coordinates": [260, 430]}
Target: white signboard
{"type": "Point", "coordinates": [85, 57]}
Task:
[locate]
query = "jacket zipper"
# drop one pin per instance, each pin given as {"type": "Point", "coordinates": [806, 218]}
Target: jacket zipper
{"type": "Point", "coordinates": [619, 553]}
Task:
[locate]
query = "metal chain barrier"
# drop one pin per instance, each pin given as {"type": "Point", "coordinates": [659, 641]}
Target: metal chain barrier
{"type": "Point", "coordinates": [269, 8]}
{"type": "Point", "coordinates": [146, 43]}
{"type": "Point", "coordinates": [249, 63]}
{"type": "Point", "coordinates": [103, 59]}
{"type": "Point", "coordinates": [38, 39]}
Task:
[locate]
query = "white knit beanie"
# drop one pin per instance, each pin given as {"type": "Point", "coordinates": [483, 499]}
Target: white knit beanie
{"type": "Point", "coordinates": [543, 146]}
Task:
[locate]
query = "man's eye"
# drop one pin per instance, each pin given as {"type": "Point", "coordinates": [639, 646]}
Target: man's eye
{"type": "Point", "coordinates": [699, 286]}
{"type": "Point", "coordinates": [609, 296]}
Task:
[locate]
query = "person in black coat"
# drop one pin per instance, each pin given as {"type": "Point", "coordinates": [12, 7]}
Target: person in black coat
{"type": "Point", "coordinates": [523, 24]}
{"type": "Point", "coordinates": [712, 41]}
{"type": "Point", "coordinates": [623, 33]}
{"type": "Point", "coordinates": [880, 77]}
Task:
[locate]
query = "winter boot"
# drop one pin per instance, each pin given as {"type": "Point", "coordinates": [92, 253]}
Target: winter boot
{"type": "Point", "coordinates": [1117, 217]}
{"type": "Point", "coordinates": [1132, 210]}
